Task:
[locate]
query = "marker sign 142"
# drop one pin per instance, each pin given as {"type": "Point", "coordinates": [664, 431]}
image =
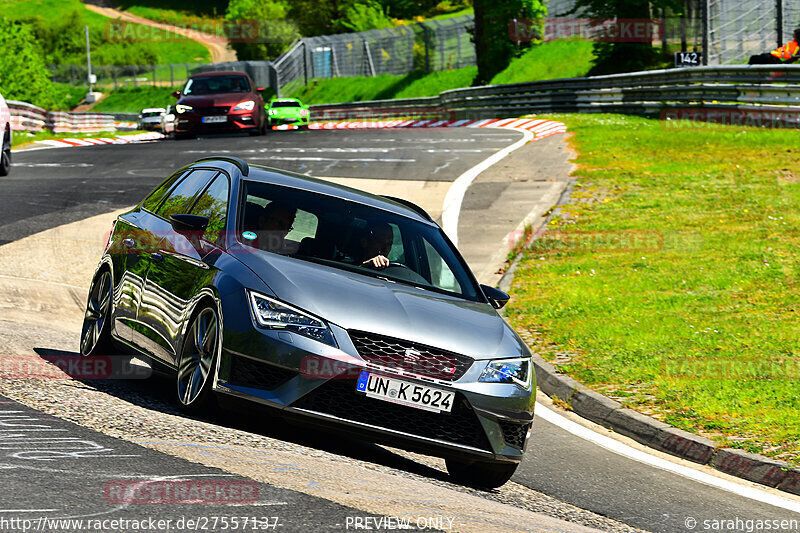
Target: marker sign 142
{"type": "Point", "coordinates": [688, 59]}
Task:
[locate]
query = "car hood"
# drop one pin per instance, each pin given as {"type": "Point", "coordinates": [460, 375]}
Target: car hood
{"type": "Point", "coordinates": [211, 100]}
{"type": "Point", "coordinates": [357, 302]}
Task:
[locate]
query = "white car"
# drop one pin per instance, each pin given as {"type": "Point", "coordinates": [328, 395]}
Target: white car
{"type": "Point", "coordinates": [5, 137]}
{"type": "Point", "coordinates": [168, 120]}
{"type": "Point", "coordinates": [150, 118]}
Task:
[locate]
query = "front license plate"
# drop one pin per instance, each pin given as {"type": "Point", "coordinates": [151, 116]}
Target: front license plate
{"type": "Point", "coordinates": [220, 118]}
{"type": "Point", "coordinates": [405, 393]}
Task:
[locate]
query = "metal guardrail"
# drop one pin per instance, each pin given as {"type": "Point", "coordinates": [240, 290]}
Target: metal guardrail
{"type": "Point", "coordinates": [744, 88]}
{"type": "Point", "coordinates": [28, 117]}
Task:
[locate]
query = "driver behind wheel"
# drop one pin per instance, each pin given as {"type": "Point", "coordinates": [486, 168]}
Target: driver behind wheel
{"type": "Point", "coordinates": [375, 245]}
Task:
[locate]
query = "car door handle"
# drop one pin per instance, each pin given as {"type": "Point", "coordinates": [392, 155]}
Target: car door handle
{"type": "Point", "coordinates": [130, 243]}
{"type": "Point", "coordinates": [157, 258]}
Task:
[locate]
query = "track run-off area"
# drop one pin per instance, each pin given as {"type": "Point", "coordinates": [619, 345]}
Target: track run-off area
{"type": "Point", "coordinates": [482, 184]}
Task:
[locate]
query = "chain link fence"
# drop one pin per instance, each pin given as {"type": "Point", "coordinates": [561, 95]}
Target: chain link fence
{"type": "Point", "coordinates": [116, 76]}
{"type": "Point", "coordinates": [429, 46]}
{"type": "Point", "coordinates": [728, 31]}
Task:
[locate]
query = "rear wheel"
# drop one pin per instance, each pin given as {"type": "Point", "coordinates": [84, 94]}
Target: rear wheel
{"type": "Point", "coordinates": [5, 158]}
{"type": "Point", "coordinates": [96, 330]}
{"type": "Point", "coordinates": [198, 360]}
{"type": "Point", "coordinates": [481, 474]}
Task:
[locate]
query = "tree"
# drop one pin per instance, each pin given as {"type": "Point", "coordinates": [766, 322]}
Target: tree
{"type": "Point", "coordinates": [275, 33]}
{"type": "Point", "coordinates": [325, 17]}
{"type": "Point", "coordinates": [25, 76]}
{"type": "Point", "coordinates": [493, 44]}
{"type": "Point", "coordinates": [625, 57]}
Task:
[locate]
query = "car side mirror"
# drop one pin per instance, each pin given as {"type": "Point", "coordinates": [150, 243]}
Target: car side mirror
{"type": "Point", "coordinates": [184, 223]}
{"type": "Point", "coordinates": [496, 297]}
{"type": "Point", "coordinates": [176, 94]}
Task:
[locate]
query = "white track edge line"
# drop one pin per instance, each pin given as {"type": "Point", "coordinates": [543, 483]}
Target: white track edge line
{"type": "Point", "coordinates": [624, 450]}
{"type": "Point", "coordinates": [451, 207]}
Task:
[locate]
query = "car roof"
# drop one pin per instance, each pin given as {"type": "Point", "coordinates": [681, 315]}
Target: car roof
{"type": "Point", "coordinates": [219, 73]}
{"type": "Point", "coordinates": [264, 174]}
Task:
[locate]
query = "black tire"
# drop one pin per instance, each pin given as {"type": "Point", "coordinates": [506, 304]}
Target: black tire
{"type": "Point", "coordinates": [96, 330]}
{"type": "Point", "coordinates": [480, 474]}
{"type": "Point", "coordinates": [197, 361]}
{"type": "Point", "coordinates": [5, 157]}
{"type": "Point", "coordinates": [183, 136]}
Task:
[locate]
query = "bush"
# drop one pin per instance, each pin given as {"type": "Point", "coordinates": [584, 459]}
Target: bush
{"type": "Point", "coordinates": [25, 76]}
{"type": "Point", "coordinates": [275, 33]}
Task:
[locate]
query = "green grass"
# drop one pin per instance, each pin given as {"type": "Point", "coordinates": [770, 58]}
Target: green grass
{"type": "Point", "coordinates": [23, 138]}
{"type": "Point", "coordinates": [674, 273]}
{"type": "Point", "coordinates": [544, 62]}
{"type": "Point", "coordinates": [168, 50]}
{"type": "Point", "coordinates": [134, 99]}
{"type": "Point", "coordinates": [381, 87]}
{"type": "Point", "coordinates": [563, 58]}
{"type": "Point", "coordinates": [175, 11]}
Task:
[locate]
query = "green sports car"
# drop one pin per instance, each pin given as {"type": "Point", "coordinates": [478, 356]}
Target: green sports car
{"type": "Point", "coordinates": [287, 111]}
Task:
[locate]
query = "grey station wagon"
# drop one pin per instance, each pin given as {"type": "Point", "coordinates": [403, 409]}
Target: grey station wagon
{"type": "Point", "coordinates": [350, 310]}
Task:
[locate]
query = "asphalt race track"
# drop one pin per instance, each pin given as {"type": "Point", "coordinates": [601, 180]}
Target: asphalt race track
{"type": "Point", "coordinates": [51, 187]}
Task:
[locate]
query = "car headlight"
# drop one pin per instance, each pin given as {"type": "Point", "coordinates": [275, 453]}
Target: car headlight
{"type": "Point", "coordinates": [304, 112]}
{"type": "Point", "coordinates": [180, 108]}
{"type": "Point", "coordinates": [272, 314]}
{"type": "Point", "coordinates": [508, 371]}
{"type": "Point", "coordinates": [245, 106]}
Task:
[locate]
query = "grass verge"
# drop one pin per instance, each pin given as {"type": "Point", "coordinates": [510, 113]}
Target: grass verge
{"type": "Point", "coordinates": [672, 280]}
{"type": "Point", "coordinates": [134, 99]}
{"type": "Point", "coordinates": [22, 139]}
{"type": "Point", "coordinates": [106, 47]}
{"type": "Point", "coordinates": [556, 59]}
{"type": "Point", "coordinates": [381, 87]}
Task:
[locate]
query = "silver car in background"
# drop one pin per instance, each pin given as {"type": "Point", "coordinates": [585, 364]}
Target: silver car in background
{"type": "Point", "coordinates": [150, 118]}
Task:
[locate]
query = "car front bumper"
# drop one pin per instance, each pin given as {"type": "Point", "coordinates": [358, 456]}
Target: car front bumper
{"type": "Point", "coordinates": [298, 375]}
{"type": "Point", "coordinates": [193, 123]}
{"type": "Point", "coordinates": [289, 121]}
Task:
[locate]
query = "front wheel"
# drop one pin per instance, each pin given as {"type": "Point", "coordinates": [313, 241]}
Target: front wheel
{"type": "Point", "coordinates": [96, 330]}
{"type": "Point", "coordinates": [480, 474]}
{"type": "Point", "coordinates": [197, 361]}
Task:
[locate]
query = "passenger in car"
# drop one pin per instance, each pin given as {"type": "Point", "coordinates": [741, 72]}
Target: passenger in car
{"type": "Point", "coordinates": [274, 225]}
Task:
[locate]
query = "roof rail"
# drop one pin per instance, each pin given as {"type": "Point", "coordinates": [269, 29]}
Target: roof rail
{"type": "Point", "coordinates": [240, 163]}
{"type": "Point", "coordinates": [410, 205]}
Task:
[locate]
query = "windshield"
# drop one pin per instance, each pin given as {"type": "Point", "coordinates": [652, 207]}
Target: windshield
{"type": "Point", "coordinates": [217, 85]}
{"type": "Point", "coordinates": [149, 114]}
{"type": "Point", "coordinates": [350, 236]}
{"type": "Point", "coordinates": [286, 103]}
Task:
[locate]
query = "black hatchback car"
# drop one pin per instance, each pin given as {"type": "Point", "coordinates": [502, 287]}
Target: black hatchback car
{"type": "Point", "coordinates": [348, 309]}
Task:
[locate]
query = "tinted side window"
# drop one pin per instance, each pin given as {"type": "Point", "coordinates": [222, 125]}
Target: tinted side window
{"type": "Point", "coordinates": [213, 203]}
{"type": "Point", "coordinates": [180, 198]}
{"type": "Point", "coordinates": [151, 202]}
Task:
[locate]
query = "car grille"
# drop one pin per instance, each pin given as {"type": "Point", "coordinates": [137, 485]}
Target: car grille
{"type": "Point", "coordinates": [414, 358]}
{"type": "Point", "coordinates": [214, 110]}
{"type": "Point", "coordinates": [340, 399]}
{"type": "Point", "coordinates": [250, 373]}
{"type": "Point", "coordinates": [514, 433]}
